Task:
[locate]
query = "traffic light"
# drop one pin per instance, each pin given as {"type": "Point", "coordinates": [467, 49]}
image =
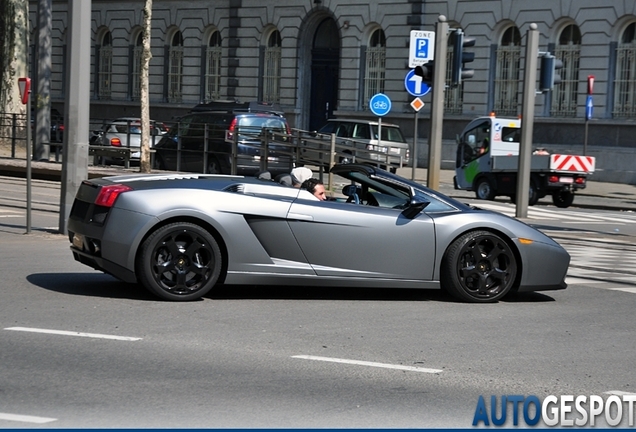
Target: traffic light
{"type": "Point", "coordinates": [426, 72]}
{"type": "Point", "coordinates": [549, 75]}
{"type": "Point", "coordinates": [460, 58]}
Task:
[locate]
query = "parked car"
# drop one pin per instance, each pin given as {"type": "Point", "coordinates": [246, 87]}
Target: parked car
{"type": "Point", "coordinates": [180, 235]}
{"type": "Point", "coordinates": [126, 132]}
{"type": "Point", "coordinates": [215, 125]}
{"type": "Point", "coordinates": [359, 138]}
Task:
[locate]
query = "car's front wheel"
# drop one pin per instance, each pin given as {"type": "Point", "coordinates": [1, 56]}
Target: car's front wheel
{"type": "Point", "coordinates": [179, 262]}
{"type": "Point", "coordinates": [478, 267]}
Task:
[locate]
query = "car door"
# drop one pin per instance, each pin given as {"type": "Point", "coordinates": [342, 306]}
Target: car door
{"type": "Point", "coordinates": [349, 240]}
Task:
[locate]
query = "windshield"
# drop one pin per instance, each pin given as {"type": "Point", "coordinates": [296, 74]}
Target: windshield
{"type": "Point", "coordinates": [389, 133]}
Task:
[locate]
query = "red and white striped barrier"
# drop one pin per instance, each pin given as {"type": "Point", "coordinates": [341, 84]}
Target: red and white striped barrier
{"type": "Point", "coordinates": [572, 163]}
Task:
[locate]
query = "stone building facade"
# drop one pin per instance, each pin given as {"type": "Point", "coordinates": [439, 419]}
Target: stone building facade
{"type": "Point", "coordinates": [322, 58]}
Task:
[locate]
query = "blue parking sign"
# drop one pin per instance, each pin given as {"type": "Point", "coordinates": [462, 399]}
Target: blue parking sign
{"type": "Point", "coordinates": [421, 47]}
{"type": "Point", "coordinates": [380, 104]}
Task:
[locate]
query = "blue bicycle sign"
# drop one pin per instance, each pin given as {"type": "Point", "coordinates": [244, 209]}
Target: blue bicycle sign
{"type": "Point", "coordinates": [380, 104]}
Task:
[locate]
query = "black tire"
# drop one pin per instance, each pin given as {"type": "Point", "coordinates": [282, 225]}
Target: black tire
{"type": "Point", "coordinates": [533, 195]}
{"type": "Point", "coordinates": [478, 267]}
{"type": "Point", "coordinates": [346, 159]}
{"type": "Point", "coordinates": [563, 199]}
{"type": "Point", "coordinates": [214, 167]}
{"type": "Point", "coordinates": [160, 164]}
{"type": "Point", "coordinates": [179, 262]}
{"type": "Point", "coordinates": [484, 189]}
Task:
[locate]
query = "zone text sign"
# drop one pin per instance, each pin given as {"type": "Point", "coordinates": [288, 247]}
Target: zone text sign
{"type": "Point", "coordinates": [421, 48]}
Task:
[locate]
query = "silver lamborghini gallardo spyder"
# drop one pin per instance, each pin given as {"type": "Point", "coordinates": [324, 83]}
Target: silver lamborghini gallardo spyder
{"type": "Point", "coordinates": [180, 235]}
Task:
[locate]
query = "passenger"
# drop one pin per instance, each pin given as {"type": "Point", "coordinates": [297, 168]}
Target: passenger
{"type": "Point", "coordinates": [316, 187]}
{"type": "Point", "coordinates": [299, 175]}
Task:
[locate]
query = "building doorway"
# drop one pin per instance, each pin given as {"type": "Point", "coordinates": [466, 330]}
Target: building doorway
{"type": "Point", "coordinates": [325, 64]}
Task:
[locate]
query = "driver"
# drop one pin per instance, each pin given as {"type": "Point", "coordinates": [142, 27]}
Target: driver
{"type": "Point", "coordinates": [316, 187]}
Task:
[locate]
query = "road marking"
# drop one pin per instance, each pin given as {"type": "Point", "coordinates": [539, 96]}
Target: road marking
{"type": "Point", "coordinates": [366, 363]}
{"type": "Point", "coordinates": [628, 290]}
{"type": "Point", "coordinates": [70, 333]}
{"type": "Point", "coordinates": [25, 418]}
{"type": "Point", "coordinates": [11, 216]}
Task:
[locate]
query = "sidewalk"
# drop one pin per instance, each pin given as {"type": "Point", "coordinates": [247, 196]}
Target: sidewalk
{"type": "Point", "coordinates": [601, 195]}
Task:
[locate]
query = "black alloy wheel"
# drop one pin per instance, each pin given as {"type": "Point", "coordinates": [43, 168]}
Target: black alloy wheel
{"type": "Point", "coordinates": [180, 262]}
{"type": "Point", "coordinates": [478, 267]}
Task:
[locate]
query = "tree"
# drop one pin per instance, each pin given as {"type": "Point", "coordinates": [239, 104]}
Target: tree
{"type": "Point", "coordinates": [13, 52]}
{"type": "Point", "coordinates": [144, 162]}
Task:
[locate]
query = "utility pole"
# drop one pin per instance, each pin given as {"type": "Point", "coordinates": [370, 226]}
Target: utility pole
{"type": "Point", "coordinates": [437, 104]}
{"type": "Point", "coordinates": [527, 121]}
{"type": "Point", "coordinates": [77, 109]}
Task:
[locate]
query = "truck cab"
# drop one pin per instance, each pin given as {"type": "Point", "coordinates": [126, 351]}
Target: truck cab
{"type": "Point", "coordinates": [488, 157]}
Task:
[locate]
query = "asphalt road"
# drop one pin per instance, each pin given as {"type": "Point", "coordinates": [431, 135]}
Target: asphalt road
{"type": "Point", "coordinates": [80, 349]}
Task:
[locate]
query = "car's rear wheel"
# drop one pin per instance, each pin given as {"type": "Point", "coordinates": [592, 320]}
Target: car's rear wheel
{"type": "Point", "coordinates": [478, 267]}
{"type": "Point", "coordinates": [563, 199]}
{"type": "Point", "coordinates": [179, 262]}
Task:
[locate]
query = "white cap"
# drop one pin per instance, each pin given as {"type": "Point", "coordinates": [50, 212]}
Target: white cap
{"type": "Point", "coordinates": [301, 174]}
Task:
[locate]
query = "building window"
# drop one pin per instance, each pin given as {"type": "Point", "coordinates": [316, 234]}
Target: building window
{"type": "Point", "coordinates": [375, 67]}
{"type": "Point", "coordinates": [453, 96]}
{"type": "Point", "coordinates": [136, 67]}
{"type": "Point", "coordinates": [272, 67]}
{"type": "Point", "coordinates": [175, 68]}
{"type": "Point", "coordinates": [213, 68]}
{"type": "Point", "coordinates": [564, 95]}
{"type": "Point", "coordinates": [625, 80]}
{"type": "Point", "coordinates": [105, 73]}
{"type": "Point", "coordinates": [507, 73]}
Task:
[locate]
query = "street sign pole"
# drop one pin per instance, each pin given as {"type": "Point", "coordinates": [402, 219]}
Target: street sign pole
{"type": "Point", "coordinates": [414, 152]}
{"type": "Point", "coordinates": [437, 104]}
{"type": "Point", "coordinates": [527, 121]}
{"type": "Point", "coordinates": [25, 89]}
{"type": "Point", "coordinates": [589, 109]}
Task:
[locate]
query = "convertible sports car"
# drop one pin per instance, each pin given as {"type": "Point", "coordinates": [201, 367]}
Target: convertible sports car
{"type": "Point", "coordinates": [180, 235]}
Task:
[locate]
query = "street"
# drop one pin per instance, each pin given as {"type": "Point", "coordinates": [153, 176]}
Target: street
{"type": "Point", "coordinates": [80, 349]}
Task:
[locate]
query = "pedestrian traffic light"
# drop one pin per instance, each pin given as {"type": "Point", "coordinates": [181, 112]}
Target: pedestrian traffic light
{"type": "Point", "coordinates": [460, 57]}
{"type": "Point", "coordinates": [549, 76]}
{"type": "Point", "coordinates": [426, 72]}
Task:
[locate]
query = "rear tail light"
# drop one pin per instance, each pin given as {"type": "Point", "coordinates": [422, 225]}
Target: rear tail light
{"type": "Point", "coordinates": [553, 179]}
{"type": "Point", "coordinates": [579, 180]}
{"type": "Point", "coordinates": [115, 142]}
{"type": "Point", "coordinates": [229, 134]}
{"type": "Point", "coordinates": [108, 194]}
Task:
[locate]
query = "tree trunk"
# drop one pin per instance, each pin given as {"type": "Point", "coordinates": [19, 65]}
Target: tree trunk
{"type": "Point", "coordinates": [144, 163]}
{"type": "Point", "coordinates": [14, 48]}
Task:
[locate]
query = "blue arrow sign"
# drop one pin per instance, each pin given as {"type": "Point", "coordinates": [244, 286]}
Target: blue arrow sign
{"type": "Point", "coordinates": [414, 85]}
{"type": "Point", "coordinates": [380, 104]}
{"type": "Point", "coordinates": [589, 108]}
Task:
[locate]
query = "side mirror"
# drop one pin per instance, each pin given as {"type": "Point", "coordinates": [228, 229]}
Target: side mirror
{"type": "Point", "coordinates": [416, 205]}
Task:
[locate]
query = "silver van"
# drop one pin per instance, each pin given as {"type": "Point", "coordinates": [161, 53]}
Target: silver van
{"type": "Point", "coordinates": [359, 138]}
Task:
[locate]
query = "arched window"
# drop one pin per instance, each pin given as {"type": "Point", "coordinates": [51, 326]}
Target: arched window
{"type": "Point", "coordinates": [213, 67]}
{"type": "Point", "coordinates": [105, 73]}
{"type": "Point", "coordinates": [625, 80]}
{"type": "Point", "coordinates": [568, 51]}
{"type": "Point", "coordinates": [272, 68]}
{"type": "Point", "coordinates": [175, 67]}
{"type": "Point", "coordinates": [507, 73]}
{"type": "Point", "coordinates": [137, 53]}
{"type": "Point", "coordinates": [375, 66]}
